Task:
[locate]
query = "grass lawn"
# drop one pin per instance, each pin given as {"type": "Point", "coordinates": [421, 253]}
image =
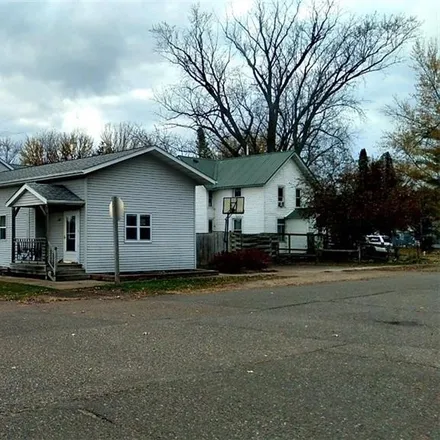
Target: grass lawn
{"type": "Point", "coordinates": [17, 291]}
{"type": "Point", "coordinates": [158, 287]}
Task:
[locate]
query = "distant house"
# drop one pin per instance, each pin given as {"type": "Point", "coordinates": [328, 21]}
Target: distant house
{"type": "Point", "coordinates": [66, 206]}
{"type": "Point", "coordinates": [273, 187]}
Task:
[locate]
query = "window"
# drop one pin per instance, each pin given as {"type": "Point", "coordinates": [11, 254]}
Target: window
{"type": "Point", "coordinates": [210, 198]}
{"type": "Point", "coordinates": [237, 192]}
{"type": "Point", "coordinates": [298, 197]}
{"type": "Point", "coordinates": [210, 225]}
{"type": "Point", "coordinates": [237, 225]}
{"type": "Point", "coordinates": [281, 196]}
{"type": "Point", "coordinates": [2, 227]}
{"type": "Point", "coordinates": [281, 228]}
{"type": "Point", "coordinates": [137, 227]}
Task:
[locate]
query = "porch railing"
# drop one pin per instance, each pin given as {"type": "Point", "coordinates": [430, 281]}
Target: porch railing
{"type": "Point", "coordinates": [29, 249]}
{"type": "Point", "coordinates": [52, 261]}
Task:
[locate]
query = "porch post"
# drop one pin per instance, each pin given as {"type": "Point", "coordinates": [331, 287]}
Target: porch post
{"type": "Point", "coordinates": [14, 211]}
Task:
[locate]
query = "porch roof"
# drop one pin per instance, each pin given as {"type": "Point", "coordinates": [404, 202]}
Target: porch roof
{"type": "Point", "coordinates": [297, 214]}
{"type": "Point", "coordinates": [44, 194]}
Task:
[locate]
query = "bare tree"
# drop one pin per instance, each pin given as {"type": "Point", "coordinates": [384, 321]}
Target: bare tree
{"type": "Point", "coordinates": [52, 146]}
{"type": "Point", "coordinates": [123, 136]}
{"type": "Point", "coordinates": [9, 149]}
{"type": "Point", "coordinates": [75, 145]}
{"type": "Point", "coordinates": [284, 73]}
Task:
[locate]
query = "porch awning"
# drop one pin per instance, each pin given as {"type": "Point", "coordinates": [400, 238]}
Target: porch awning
{"type": "Point", "coordinates": [34, 194]}
{"type": "Point", "coordinates": [296, 214]}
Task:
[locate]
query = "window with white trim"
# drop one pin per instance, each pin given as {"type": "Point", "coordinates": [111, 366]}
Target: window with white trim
{"type": "Point", "coordinates": [281, 196]}
{"type": "Point", "coordinates": [137, 227]}
{"type": "Point", "coordinates": [2, 227]}
{"type": "Point", "coordinates": [237, 224]}
{"type": "Point", "coordinates": [281, 228]}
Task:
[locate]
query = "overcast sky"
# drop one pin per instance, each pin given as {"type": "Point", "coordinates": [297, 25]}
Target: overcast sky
{"type": "Point", "coordinates": [80, 64]}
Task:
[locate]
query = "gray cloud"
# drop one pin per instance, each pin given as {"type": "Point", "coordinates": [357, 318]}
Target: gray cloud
{"type": "Point", "coordinates": [91, 62]}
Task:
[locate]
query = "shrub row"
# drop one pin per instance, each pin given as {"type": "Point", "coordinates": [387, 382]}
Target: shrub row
{"type": "Point", "coordinates": [235, 262]}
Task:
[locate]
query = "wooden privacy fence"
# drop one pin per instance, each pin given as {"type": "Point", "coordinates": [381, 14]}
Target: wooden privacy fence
{"type": "Point", "coordinates": [212, 243]}
{"type": "Point", "coordinates": [207, 246]}
{"type": "Point", "coordinates": [267, 243]}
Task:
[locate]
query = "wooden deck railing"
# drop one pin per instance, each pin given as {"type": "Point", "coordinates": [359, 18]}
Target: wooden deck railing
{"type": "Point", "coordinates": [29, 249]}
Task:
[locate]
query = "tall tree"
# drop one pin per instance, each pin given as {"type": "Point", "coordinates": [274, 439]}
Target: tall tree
{"type": "Point", "coordinates": [416, 136]}
{"type": "Point", "coordinates": [283, 73]}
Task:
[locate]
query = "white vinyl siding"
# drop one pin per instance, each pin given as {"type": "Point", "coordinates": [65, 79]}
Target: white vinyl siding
{"type": "Point", "coordinates": [146, 185]}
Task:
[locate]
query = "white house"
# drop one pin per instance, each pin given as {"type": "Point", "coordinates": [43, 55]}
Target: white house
{"type": "Point", "coordinates": [66, 206]}
{"type": "Point", "coordinates": [271, 184]}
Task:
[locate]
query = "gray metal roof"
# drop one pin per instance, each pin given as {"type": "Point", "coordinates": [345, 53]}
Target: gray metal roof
{"type": "Point", "coordinates": [54, 193]}
{"type": "Point", "coordinates": [245, 171]}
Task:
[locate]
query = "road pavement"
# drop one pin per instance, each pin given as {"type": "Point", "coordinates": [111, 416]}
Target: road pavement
{"type": "Point", "coordinates": [352, 360]}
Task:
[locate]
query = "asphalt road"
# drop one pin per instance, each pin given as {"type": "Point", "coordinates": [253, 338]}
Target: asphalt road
{"type": "Point", "coordinates": [352, 360]}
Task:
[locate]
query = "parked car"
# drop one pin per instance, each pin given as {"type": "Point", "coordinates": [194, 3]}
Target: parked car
{"type": "Point", "coordinates": [381, 243]}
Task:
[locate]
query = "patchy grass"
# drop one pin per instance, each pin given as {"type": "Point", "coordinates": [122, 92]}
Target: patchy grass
{"type": "Point", "coordinates": [18, 291]}
{"type": "Point", "coordinates": [175, 285]}
{"type": "Point", "coordinates": [411, 256]}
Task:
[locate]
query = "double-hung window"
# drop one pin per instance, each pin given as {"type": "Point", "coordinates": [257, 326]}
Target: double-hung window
{"type": "Point", "coordinates": [281, 228]}
{"type": "Point", "coordinates": [281, 196]}
{"type": "Point", "coordinates": [137, 227]}
{"type": "Point", "coordinates": [298, 197]}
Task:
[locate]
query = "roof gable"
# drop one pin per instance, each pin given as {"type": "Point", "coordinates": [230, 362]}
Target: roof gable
{"type": "Point", "coordinates": [44, 194]}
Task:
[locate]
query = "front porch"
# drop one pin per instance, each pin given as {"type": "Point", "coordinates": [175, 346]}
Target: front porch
{"type": "Point", "coordinates": [52, 248]}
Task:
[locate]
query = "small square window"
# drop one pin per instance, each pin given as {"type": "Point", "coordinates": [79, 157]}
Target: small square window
{"type": "Point", "coordinates": [131, 220]}
{"type": "Point", "coordinates": [145, 234]}
{"type": "Point", "coordinates": [131, 233]}
{"type": "Point", "coordinates": [145, 220]}
{"type": "Point", "coordinates": [138, 227]}
{"type": "Point", "coordinates": [237, 192]}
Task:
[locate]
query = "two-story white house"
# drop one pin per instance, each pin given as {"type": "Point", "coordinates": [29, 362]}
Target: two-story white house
{"type": "Point", "coordinates": [273, 188]}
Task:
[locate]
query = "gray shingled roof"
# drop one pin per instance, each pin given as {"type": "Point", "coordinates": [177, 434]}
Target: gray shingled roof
{"type": "Point", "coordinates": [67, 168]}
{"type": "Point", "coordinates": [55, 193]}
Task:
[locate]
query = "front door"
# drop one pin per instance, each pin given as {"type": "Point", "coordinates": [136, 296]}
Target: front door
{"type": "Point", "coordinates": [71, 236]}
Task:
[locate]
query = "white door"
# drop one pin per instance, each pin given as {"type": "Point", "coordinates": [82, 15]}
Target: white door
{"type": "Point", "coordinates": [71, 236]}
